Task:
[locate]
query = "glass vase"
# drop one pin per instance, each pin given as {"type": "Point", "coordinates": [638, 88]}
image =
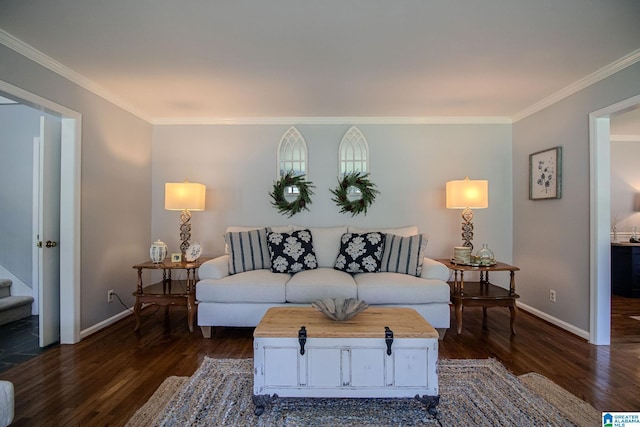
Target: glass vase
{"type": "Point", "coordinates": [485, 255]}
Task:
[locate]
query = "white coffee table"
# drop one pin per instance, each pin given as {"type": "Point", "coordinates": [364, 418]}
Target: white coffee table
{"type": "Point", "coordinates": [380, 353]}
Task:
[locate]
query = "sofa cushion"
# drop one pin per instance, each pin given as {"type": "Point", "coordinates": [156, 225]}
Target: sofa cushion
{"type": "Point", "coordinates": [396, 288]}
{"type": "Point", "coordinates": [326, 243]}
{"type": "Point", "coordinates": [237, 228]}
{"type": "Point", "coordinates": [308, 286]}
{"type": "Point", "coordinates": [249, 287]}
{"type": "Point", "coordinates": [248, 250]}
{"type": "Point", "coordinates": [399, 231]}
{"type": "Point", "coordinates": [403, 254]}
{"type": "Point", "coordinates": [291, 252]}
{"type": "Point", "coordinates": [360, 253]}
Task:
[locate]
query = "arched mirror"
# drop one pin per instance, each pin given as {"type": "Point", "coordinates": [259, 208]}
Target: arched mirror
{"type": "Point", "coordinates": [292, 157]}
{"type": "Point", "coordinates": [353, 156]}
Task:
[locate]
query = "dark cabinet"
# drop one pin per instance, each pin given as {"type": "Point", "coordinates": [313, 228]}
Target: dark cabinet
{"type": "Point", "coordinates": [625, 269]}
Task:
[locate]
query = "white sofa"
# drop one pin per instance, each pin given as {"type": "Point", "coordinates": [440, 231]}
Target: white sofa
{"type": "Point", "coordinates": [6, 403]}
{"type": "Point", "coordinates": [240, 300]}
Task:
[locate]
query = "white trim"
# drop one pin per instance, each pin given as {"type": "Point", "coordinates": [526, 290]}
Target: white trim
{"type": "Point", "coordinates": [169, 121]}
{"type": "Point", "coordinates": [107, 322]}
{"type": "Point", "coordinates": [70, 180]}
{"type": "Point", "coordinates": [36, 101]}
{"type": "Point", "coordinates": [555, 321]}
{"type": "Point", "coordinates": [70, 231]}
{"type": "Point", "coordinates": [35, 227]}
{"type": "Point", "coordinates": [599, 236]}
{"type": "Point", "coordinates": [625, 138]}
{"type": "Point", "coordinates": [587, 81]}
{"type": "Point", "coordinates": [40, 58]}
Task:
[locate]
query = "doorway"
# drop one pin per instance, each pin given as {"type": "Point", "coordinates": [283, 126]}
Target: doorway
{"type": "Point", "coordinates": [625, 217]}
{"type": "Point", "coordinates": [600, 220]}
{"type": "Point", "coordinates": [70, 164]}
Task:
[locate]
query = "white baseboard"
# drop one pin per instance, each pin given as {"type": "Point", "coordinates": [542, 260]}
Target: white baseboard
{"type": "Point", "coordinates": [107, 322]}
{"type": "Point", "coordinates": [560, 323]}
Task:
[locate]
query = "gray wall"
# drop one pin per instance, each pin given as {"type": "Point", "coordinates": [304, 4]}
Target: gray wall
{"type": "Point", "coordinates": [410, 164]}
{"type": "Point", "coordinates": [116, 174]}
{"type": "Point", "coordinates": [551, 237]}
{"type": "Point", "coordinates": [18, 126]}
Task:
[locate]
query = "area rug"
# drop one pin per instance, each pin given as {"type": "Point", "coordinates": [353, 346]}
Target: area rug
{"type": "Point", "coordinates": [473, 392]}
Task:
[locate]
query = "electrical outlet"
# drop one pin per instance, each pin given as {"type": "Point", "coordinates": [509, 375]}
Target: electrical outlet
{"type": "Point", "coordinates": [552, 295]}
{"type": "Point", "coordinates": [110, 295]}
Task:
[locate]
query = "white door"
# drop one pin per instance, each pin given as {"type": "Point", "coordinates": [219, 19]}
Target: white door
{"type": "Point", "coordinates": [49, 231]}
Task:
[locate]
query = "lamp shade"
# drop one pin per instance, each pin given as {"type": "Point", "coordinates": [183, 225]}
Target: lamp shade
{"type": "Point", "coordinates": [179, 196]}
{"type": "Point", "coordinates": [467, 193]}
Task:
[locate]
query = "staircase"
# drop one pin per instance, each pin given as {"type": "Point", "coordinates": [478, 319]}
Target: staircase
{"type": "Point", "coordinates": [12, 308]}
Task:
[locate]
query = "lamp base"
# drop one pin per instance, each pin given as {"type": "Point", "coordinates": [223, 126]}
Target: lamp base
{"type": "Point", "coordinates": [467, 228]}
{"type": "Point", "coordinates": [185, 232]}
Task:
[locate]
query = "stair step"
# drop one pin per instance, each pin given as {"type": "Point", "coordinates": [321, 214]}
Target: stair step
{"type": "Point", "coordinates": [15, 308]}
{"type": "Point", "coordinates": [5, 288]}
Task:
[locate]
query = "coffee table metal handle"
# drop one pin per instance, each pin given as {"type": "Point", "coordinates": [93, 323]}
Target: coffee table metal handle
{"type": "Point", "coordinates": [302, 338]}
{"type": "Point", "coordinates": [388, 338]}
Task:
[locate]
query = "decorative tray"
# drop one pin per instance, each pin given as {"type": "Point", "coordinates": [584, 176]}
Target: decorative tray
{"type": "Point", "coordinates": [472, 264]}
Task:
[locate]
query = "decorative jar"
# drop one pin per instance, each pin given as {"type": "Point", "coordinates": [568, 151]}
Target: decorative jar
{"type": "Point", "coordinates": [485, 255]}
{"type": "Point", "coordinates": [158, 251]}
{"type": "Point", "coordinates": [462, 254]}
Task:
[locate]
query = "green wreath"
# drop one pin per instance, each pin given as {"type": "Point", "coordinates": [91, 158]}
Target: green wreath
{"type": "Point", "coordinates": [367, 190]}
{"type": "Point", "coordinates": [300, 203]}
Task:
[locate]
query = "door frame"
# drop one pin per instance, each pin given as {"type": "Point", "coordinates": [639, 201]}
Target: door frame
{"type": "Point", "coordinates": [70, 186]}
{"type": "Point", "coordinates": [600, 219]}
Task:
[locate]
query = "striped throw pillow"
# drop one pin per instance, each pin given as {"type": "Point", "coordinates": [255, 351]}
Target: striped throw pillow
{"type": "Point", "coordinates": [403, 254]}
{"type": "Point", "coordinates": [248, 250]}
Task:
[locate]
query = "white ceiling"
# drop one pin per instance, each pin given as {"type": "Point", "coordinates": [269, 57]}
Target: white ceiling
{"type": "Point", "coordinates": [172, 59]}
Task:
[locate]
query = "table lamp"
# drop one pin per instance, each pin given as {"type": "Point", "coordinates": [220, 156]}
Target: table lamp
{"type": "Point", "coordinates": [184, 196]}
{"type": "Point", "coordinates": [467, 194]}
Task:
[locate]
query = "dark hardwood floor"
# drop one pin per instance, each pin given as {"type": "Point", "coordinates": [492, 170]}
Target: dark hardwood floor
{"type": "Point", "coordinates": [105, 378]}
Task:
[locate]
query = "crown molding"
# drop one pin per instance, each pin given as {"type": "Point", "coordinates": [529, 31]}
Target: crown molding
{"type": "Point", "coordinates": [625, 138]}
{"type": "Point", "coordinates": [329, 120]}
{"type": "Point", "coordinates": [40, 58]}
{"type": "Point", "coordinates": [583, 83]}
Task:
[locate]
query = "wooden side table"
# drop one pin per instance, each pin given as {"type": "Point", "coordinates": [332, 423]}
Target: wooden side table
{"type": "Point", "coordinates": [168, 292]}
{"type": "Point", "coordinates": [483, 293]}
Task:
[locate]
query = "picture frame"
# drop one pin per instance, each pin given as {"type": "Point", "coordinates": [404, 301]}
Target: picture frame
{"type": "Point", "coordinates": [176, 257]}
{"type": "Point", "coordinates": [545, 174]}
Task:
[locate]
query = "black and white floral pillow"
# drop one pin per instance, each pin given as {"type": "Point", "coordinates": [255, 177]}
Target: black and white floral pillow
{"type": "Point", "coordinates": [291, 252]}
{"type": "Point", "coordinates": [360, 253]}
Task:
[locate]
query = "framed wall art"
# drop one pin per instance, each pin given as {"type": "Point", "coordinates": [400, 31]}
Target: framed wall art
{"type": "Point", "coordinates": [545, 174]}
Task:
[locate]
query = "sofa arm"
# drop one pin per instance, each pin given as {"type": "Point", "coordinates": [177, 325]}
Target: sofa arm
{"type": "Point", "coordinates": [6, 403]}
{"type": "Point", "coordinates": [216, 268]}
{"type": "Point", "coordinates": [432, 269]}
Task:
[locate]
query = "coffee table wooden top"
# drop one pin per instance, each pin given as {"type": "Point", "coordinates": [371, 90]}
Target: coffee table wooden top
{"type": "Point", "coordinates": [285, 322]}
